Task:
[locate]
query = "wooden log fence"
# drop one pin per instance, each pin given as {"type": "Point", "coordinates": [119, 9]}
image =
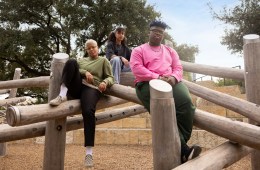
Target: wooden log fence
{"type": "Point", "coordinates": [243, 133]}
{"type": "Point", "coordinates": [240, 106]}
{"type": "Point", "coordinates": [17, 73]}
{"type": "Point", "coordinates": [8, 133]}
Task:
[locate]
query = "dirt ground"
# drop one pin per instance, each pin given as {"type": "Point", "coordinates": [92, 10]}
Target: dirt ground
{"type": "Point", "coordinates": [106, 157]}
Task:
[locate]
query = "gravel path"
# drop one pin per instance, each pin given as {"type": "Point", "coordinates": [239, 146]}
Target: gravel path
{"type": "Point", "coordinates": [106, 157]}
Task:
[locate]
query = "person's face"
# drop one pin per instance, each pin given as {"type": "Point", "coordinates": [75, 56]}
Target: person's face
{"type": "Point", "coordinates": [92, 50]}
{"type": "Point", "coordinates": [156, 35]}
{"type": "Point", "coordinates": [120, 35]}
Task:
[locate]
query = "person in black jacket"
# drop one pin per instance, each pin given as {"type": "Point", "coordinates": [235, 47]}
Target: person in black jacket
{"type": "Point", "coordinates": [118, 53]}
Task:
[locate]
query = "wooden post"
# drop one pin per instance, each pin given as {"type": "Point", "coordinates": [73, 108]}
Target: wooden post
{"type": "Point", "coordinates": [3, 146]}
{"type": "Point", "coordinates": [251, 51]}
{"type": "Point", "coordinates": [165, 136]}
{"type": "Point", "coordinates": [55, 136]}
{"type": "Point", "coordinates": [17, 75]}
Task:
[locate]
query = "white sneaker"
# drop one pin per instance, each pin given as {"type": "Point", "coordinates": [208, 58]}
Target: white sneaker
{"type": "Point", "coordinates": [58, 100]}
{"type": "Point", "coordinates": [89, 160]}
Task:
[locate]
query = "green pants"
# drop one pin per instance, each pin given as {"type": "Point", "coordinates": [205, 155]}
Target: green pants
{"type": "Point", "coordinates": [183, 105]}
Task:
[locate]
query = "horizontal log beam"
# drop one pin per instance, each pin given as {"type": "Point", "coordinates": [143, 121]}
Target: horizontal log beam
{"type": "Point", "coordinates": [127, 78]}
{"type": "Point", "coordinates": [243, 107]}
{"type": "Point", "coordinates": [12, 101]}
{"type": "Point", "coordinates": [4, 91]}
{"type": "Point", "coordinates": [218, 158]}
{"type": "Point", "coordinates": [8, 133]}
{"type": "Point", "coordinates": [241, 132]}
{"type": "Point", "coordinates": [24, 115]}
{"type": "Point", "coordinates": [123, 92]}
{"type": "Point", "coordinates": [223, 72]}
{"type": "Point", "coordinates": [227, 101]}
{"type": "Point", "coordinates": [24, 83]}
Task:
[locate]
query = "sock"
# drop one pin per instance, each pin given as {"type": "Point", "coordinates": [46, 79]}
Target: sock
{"type": "Point", "coordinates": [89, 150]}
{"type": "Point", "coordinates": [63, 90]}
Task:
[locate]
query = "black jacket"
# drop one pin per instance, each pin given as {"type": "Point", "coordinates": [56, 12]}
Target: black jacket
{"type": "Point", "coordinates": [112, 50]}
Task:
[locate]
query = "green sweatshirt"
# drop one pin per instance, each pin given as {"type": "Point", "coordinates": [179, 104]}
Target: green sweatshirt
{"type": "Point", "coordinates": [99, 67]}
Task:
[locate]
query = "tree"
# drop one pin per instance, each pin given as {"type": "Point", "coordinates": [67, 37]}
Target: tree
{"type": "Point", "coordinates": [35, 30]}
{"type": "Point", "coordinates": [185, 52]}
{"type": "Point", "coordinates": [245, 19]}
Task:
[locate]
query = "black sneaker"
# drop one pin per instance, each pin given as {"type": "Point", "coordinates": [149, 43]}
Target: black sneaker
{"type": "Point", "coordinates": [193, 152]}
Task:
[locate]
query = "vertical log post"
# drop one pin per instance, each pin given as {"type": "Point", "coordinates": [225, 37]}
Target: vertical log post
{"type": "Point", "coordinates": [55, 135]}
{"type": "Point", "coordinates": [17, 73]}
{"type": "Point", "coordinates": [251, 51]}
{"type": "Point", "coordinates": [165, 136]}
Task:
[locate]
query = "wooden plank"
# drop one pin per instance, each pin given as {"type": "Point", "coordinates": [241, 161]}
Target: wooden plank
{"type": "Point", "coordinates": [218, 158]}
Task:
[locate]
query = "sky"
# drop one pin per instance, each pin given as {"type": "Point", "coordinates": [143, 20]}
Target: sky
{"type": "Point", "coordinates": [192, 23]}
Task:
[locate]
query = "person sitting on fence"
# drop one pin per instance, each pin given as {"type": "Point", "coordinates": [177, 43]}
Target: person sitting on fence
{"type": "Point", "coordinates": [97, 72]}
{"type": "Point", "coordinates": [118, 53]}
{"type": "Point", "coordinates": [154, 60]}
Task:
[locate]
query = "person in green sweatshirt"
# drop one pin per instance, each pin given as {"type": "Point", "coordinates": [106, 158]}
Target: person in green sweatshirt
{"type": "Point", "coordinates": [97, 73]}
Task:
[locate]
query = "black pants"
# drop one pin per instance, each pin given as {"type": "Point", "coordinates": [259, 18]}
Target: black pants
{"type": "Point", "coordinates": [88, 98]}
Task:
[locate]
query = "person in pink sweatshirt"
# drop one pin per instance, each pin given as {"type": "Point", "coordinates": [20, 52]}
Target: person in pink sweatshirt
{"type": "Point", "coordinates": [154, 60]}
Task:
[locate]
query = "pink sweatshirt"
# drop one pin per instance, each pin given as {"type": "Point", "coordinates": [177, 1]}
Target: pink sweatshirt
{"type": "Point", "coordinates": [149, 62]}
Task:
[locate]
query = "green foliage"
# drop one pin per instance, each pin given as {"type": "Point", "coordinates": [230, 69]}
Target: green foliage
{"type": "Point", "coordinates": [187, 53]}
{"type": "Point", "coordinates": [35, 30]}
{"type": "Point", "coordinates": [32, 31]}
{"type": "Point", "coordinates": [244, 19]}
